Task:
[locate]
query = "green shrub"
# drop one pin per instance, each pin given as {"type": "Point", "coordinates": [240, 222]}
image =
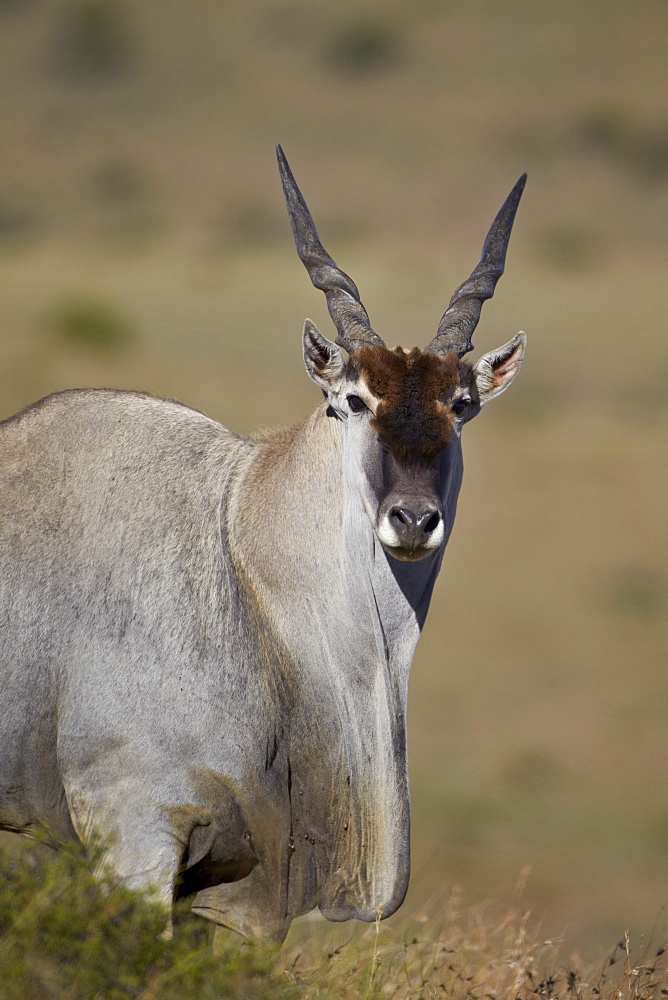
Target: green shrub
{"type": "Point", "coordinates": [622, 138]}
{"type": "Point", "coordinates": [92, 41]}
{"type": "Point", "coordinates": [569, 248]}
{"type": "Point", "coordinates": [89, 322]}
{"type": "Point", "coordinates": [68, 935]}
{"type": "Point", "coordinates": [363, 47]}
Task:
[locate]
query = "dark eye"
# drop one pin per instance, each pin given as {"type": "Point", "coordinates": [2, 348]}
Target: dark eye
{"type": "Point", "coordinates": [459, 406]}
{"type": "Point", "coordinates": [356, 404]}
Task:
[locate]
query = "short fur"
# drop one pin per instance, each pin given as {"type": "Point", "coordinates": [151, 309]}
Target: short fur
{"type": "Point", "coordinates": [413, 418]}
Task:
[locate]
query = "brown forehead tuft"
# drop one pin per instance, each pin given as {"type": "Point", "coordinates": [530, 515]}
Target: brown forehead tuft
{"type": "Point", "coordinates": [411, 418]}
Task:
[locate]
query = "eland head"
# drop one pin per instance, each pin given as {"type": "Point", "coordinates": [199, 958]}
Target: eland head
{"type": "Point", "coordinates": [403, 410]}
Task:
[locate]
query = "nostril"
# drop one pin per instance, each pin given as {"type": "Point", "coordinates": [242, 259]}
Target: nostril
{"type": "Point", "coordinates": [400, 519]}
{"type": "Point", "coordinates": [432, 523]}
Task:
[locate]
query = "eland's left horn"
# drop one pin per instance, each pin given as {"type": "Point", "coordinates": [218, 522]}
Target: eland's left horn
{"type": "Point", "coordinates": [461, 317]}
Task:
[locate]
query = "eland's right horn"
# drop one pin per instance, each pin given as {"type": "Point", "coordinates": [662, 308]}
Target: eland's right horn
{"type": "Point", "coordinates": [343, 299]}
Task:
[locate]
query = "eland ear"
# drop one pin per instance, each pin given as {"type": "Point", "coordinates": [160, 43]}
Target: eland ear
{"type": "Point", "coordinates": [495, 371]}
{"type": "Point", "coordinates": [324, 361]}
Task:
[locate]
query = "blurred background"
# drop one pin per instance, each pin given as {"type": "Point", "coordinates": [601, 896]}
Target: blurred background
{"type": "Point", "coordinates": [144, 244]}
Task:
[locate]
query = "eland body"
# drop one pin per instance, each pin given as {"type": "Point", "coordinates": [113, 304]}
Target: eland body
{"type": "Point", "coordinates": [206, 639]}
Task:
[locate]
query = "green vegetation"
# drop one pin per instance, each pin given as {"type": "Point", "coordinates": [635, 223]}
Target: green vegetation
{"type": "Point", "coordinates": [91, 41]}
{"type": "Point", "coordinates": [69, 936]}
{"type": "Point", "coordinates": [85, 322]}
{"type": "Point", "coordinates": [363, 47]}
{"type": "Point", "coordinates": [641, 149]}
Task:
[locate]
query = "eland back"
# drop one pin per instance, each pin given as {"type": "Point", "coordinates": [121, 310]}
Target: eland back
{"type": "Point", "coordinates": [206, 638]}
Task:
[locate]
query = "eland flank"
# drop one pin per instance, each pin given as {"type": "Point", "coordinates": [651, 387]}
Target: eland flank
{"type": "Point", "coordinates": [206, 638]}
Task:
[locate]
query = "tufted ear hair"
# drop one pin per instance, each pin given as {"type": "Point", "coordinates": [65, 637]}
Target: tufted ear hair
{"type": "Point", "coordinates": [495, 371]}
{"type": "Point", "coordinates": [324, 361]}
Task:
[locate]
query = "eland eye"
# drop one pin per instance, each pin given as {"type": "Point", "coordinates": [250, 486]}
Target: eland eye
{"type": "Point", "coordinates": [356, 404]}
{"type": "Point", "coordinates": [459, 406]}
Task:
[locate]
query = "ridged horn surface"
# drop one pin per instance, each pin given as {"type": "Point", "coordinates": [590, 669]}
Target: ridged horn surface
{"type": "Point", "coordinates": [343, 299]}
{"type": "Point", "coordinates": [461, 317]}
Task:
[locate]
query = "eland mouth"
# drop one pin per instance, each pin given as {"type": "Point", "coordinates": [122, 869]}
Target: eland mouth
{"type": "Point", "coordinates": [407, 555]}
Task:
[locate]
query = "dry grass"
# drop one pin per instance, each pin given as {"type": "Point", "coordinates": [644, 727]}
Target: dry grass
{"type": "Point", "coordinates": [464, 954]}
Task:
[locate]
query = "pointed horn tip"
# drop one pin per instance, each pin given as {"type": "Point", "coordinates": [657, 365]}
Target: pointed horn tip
{"type": "Point", "coordinates": [283, 165]}
{"type": "Point", "coordinates": [518, 190]}
{"type": "Point", "coordinates": [515, 196]}
{"type": "Point", "coordinates": [285, 173]}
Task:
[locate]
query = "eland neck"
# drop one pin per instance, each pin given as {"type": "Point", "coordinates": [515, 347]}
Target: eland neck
{"type": "Point", "coordinates": [299, 530]}
{"type": "Point", "coordinates": [345, 619]}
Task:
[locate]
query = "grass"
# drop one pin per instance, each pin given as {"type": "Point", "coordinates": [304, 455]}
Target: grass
{"type": "Point", "coordinates": [65, 934]}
